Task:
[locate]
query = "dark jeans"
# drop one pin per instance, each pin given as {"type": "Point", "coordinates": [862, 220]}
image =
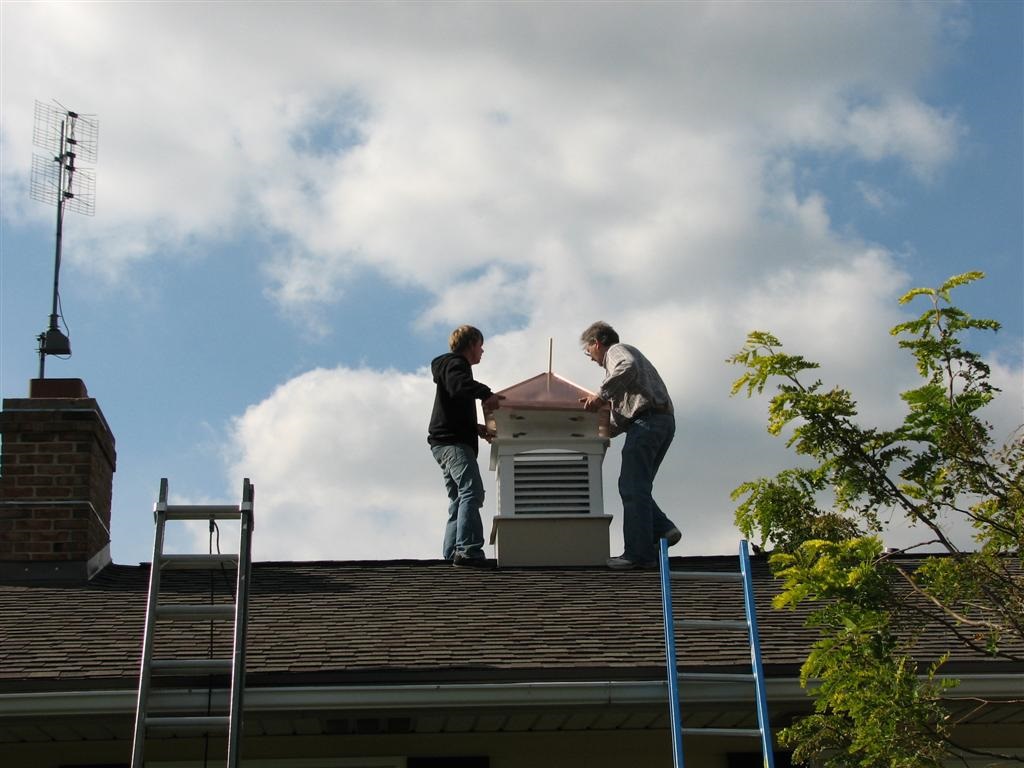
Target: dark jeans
{"type": "Point", "coordinates": [643, 523]}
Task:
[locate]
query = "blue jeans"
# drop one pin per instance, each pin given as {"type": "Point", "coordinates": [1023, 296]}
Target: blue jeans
{"type": "Point", "coordinates": [643, 523]}
{"type": "Point", "coordinates": [464, 532]}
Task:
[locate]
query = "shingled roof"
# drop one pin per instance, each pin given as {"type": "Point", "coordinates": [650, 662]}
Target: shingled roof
{"type": "Point", "coordinates": [405, 621]}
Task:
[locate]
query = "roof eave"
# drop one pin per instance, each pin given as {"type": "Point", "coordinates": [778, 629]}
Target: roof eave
{"type": "Point", "coordinates": [446, 696]}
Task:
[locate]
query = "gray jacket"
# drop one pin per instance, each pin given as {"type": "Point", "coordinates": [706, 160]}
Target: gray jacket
{"type": "Point", "coordinates": [632, 385]}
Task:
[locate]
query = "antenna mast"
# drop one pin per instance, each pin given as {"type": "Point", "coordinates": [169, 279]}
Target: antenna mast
{"type": "Point", "coordinates": [68, 137]}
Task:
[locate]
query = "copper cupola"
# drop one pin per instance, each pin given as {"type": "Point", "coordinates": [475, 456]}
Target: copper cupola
{"type": "Point", "coordinates": [547, 454]}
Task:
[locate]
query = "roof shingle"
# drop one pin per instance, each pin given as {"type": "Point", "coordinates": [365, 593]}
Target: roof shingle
{"type": "Point", "coordinates": [396, 622]}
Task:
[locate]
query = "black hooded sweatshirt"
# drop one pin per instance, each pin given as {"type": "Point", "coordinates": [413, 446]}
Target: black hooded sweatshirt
{"type": "Point", "coordinates": [453, 419]}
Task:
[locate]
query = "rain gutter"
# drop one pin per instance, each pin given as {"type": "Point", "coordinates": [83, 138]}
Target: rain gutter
{"type": "Point", "coordinates": [447, 696]}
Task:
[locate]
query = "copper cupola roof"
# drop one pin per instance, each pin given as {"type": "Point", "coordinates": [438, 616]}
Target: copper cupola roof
{"type": "Point", "coordinates": [547, 391]}
{"type": "Point", "coordinates": [552, 401]}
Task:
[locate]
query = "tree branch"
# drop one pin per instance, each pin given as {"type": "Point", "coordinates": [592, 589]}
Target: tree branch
{"type": "Point", "coordinates": [944, 608]}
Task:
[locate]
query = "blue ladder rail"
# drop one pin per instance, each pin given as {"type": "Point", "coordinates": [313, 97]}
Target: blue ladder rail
{"type": "Point", "coordinates": [763, 731]}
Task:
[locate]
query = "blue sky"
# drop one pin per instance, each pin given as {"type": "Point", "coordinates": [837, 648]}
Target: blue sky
{"type": "Point", "coordinates": [296, 202]}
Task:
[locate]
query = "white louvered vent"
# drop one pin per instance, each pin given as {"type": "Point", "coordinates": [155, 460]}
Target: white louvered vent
{"type": "Point", "coordinates": [551, 482]}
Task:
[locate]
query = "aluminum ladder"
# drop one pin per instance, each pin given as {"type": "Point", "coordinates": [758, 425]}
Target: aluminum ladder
{"type": "Point", "coordinates": [159, 612]}
{"type": "Point", "coordinates": [756, 676]}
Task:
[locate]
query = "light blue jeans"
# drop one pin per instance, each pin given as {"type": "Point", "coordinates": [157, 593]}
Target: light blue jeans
{"type": "Point", "coordinates": [643, 523]}
{"type": "Point", "coordinates": [464, 532]}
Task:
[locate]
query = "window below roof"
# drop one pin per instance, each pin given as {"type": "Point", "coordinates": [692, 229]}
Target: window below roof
{"type": "Point", "coordinates": [756, 760]}
{"type": "Point", "coordinates": [299, 762]}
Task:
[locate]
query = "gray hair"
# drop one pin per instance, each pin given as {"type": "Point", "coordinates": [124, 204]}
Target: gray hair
{"type": "Point", "coordinates": [600, 332]}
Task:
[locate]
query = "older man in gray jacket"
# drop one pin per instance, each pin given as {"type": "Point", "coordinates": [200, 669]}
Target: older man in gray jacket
{"type": "Point", "coordinates": [642, 409]}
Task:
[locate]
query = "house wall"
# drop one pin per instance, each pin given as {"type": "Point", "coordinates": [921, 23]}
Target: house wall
{"type": "Point", "coordinates": [579, 749]}
{"type": "Point", "coordinates": [582, 749]}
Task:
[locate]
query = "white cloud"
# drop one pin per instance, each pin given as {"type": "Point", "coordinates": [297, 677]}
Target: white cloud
{"type": "Point", "coordinates": [493, 295]}
{"type": "Point", "coordinates": [904, 128]}
{"type": "Point", "coordinates": [485, 133]}
{"type": "Point", "coordinates": [341, 466]}
{"type": "Point", "coordinates": [1006, 411]}
{"type": "Point", "coordinates": [876, 197]}
{"type": "Point", "coordinates": [531, 168]}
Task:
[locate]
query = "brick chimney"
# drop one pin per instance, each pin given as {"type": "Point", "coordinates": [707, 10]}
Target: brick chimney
{"type": "Point", "coordinates": [56, 476]}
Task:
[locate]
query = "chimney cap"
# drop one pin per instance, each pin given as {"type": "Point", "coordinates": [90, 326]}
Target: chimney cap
{"type": "Point", "coordinates": [57, 389]}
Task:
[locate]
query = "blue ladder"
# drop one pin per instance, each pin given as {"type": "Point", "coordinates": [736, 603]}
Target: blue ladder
{"type": "Point", "coordinates": [763, 731]}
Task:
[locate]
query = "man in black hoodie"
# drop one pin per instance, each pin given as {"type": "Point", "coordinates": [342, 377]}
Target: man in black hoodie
{"type": "Point", "coordinates": [453, 437]}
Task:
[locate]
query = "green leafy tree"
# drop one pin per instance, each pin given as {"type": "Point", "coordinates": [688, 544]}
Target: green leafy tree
{"type": "Point", "coordinates": [876, 704]}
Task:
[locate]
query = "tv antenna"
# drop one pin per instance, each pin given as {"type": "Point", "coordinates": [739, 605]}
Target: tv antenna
{"type": "Point", "coordinates": [68, 137]}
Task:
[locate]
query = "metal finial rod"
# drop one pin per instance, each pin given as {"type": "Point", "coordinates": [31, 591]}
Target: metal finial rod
{"type": "Point", "coordinates": [551, 347]}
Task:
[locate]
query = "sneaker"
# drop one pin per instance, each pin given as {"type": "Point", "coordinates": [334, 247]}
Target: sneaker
{"type": "Point", "coordinates": [463, 561]}
{"type": "Point", "coordinates": [621, 564]}
{"type": "Point", "coordinates": [672, 536]}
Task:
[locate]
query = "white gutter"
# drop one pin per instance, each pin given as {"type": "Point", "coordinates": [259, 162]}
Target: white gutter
{"type": "Point", "coordinates": [449, 696]}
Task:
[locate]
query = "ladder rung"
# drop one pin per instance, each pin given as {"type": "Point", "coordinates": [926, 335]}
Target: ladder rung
{"type": "Point", "coordinates": [706, 575]}
{"type": "Point", "coordinates": [203, 512]}
{"type": "Point", "coordinates": [212, 562]}
{"type": "Point", "coordinates": [186, 666]}
{"type": "Point", "coordinates": [190, 723]}
{"type": "Point", "coordinates": [752, 733]}
{"type": "Point", "coordinates": [715, 677]}
{"type": "Point", "coordinates": [710, 624]}
{"type": "Point", "coordinates": [195, 612]}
